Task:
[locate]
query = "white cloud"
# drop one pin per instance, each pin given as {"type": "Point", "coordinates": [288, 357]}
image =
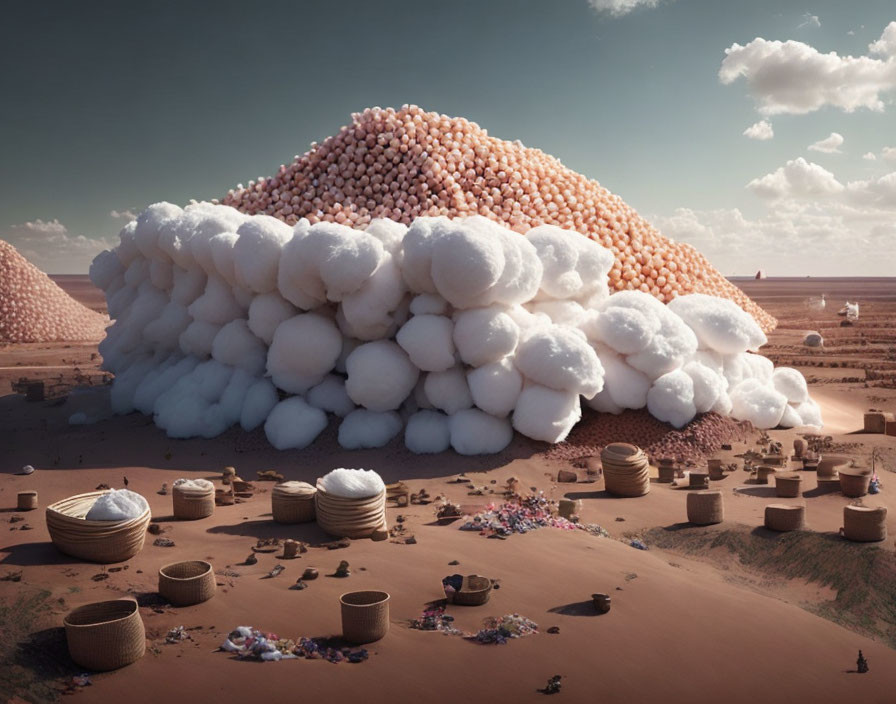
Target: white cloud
{"type": "Point", "coordinates": [809, 21]}
{"type": "Point", "coordinates": [798, 178]}
{"type": "Point", "coordinates": [889, 153]}
{"type": "Point", "coordinates": [869, 156]}
{"type": "Point", "coordinates": [618, 8]}
{"type": "Point", "coordinates": [828, 145]}
{"type": "Point", "coordinates": [52, 248]}
{"type": "Point", "coordinates": [795, 78]}
{"type": "Point", "coordinates": [126, 214]}
{"type": "Point", "coordinates": [761, 130]}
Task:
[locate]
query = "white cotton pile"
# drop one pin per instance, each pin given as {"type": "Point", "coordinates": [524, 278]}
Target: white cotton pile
{"type": "Point", "coordinates": [457, 331]}
{"type": "Point", "coordinates": [194, 484]}
{"type": "Point", "coordinates": [117, 505]}
{"type": "Point", "coordinates": [352, 483]}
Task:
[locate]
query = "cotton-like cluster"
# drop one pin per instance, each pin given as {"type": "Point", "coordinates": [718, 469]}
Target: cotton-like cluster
{"type": "Point", "coordinates": [448, 333]}
{"type": "Point", "coordinates": [34, 309]}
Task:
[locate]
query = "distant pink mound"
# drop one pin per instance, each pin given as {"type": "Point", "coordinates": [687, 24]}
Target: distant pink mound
{"type": "Point", "coordinates": [34, 309]}
{"type": "Point", "coordinates": [407, 163]}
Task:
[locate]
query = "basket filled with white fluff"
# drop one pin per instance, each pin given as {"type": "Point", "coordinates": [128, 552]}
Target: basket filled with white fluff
{"type": "Point", "coordinates": [193, 499]}
{"type": "Point", "coordinates": [351, 503]}
{"type": "Point", "coordinates": [100, 526]}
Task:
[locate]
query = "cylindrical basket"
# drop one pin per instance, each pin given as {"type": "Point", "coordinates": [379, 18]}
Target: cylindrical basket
{"type": "Point", "coordinates": [785, 517]}
{"type": "Point", "coordinates": [187, 583]}
{"type": "Point", "coordinates": [626, 470]}
{"type": "Point", "coordinates": [350, 518]}
{"type": "Point", "coordinates": [475, 591]}
{"type": "Point", "coordinates": [105, 635]}
{"type": "Point", "coordinates": [763, 472]}
{"type": "Point", "coordinates": [293, 502]}
{"type": "Point", "coordinates": [26, 500]}
{"type": "Point", "coordinates": [365, 616]}
{"type": "Point", "coordinates": [95, 541]}
{"type": "Point", "coordinates": [865, 524]}
{"type": "Point", "coordinates": [193, 504]}
{"type": "Point", "coordinates": [698, 480]}
{"type": "Point", "coordinates": [705, 507]}
{"type": "Point", "coordinates": [787, 486]}
{"type": "Point", "coordinates": [854, 483]}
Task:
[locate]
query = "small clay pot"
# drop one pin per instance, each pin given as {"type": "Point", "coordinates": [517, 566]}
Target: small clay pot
{"type": "Point", "coordinates": [601, 602]}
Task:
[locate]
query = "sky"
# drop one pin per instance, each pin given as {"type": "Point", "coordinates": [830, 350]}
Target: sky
{"type": "Point", "coordinates": [762, 132]}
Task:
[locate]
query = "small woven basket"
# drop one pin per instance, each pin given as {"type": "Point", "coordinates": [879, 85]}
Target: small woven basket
{"type": "Point", "coordinates": [350, 518]}
{"type": "Point", "coordinates": [94, 541]}
{"type": "Point", "coordinates": [474, 591]}
{"type": "Point", "coordinates": [626, 470]}
{"type": "Point", "coordinates": [26, 500]}
{"type": "Point", "coordinates": [784, 517]}
{"type": "Point", "coordinates": [705, 507]}
{"type": "Point", "coordinates": [293, 502]}
{"type": "Point", "coordinates": [854, 483]}
{"type": "Point", "coordinates": [105, 635]}
{"type": "Point", "coordinates": [787, 486]}
{"type": "Point", "coordinates": [865, 524]}
{"type": "Point", "coordinates": [187, 583]}
{"type": "Point", "coordinates": [763, 472]}
{"type": "Point", "coordinates": [193, 504]}
{"type": "Point", "coordinates": [365, 616]}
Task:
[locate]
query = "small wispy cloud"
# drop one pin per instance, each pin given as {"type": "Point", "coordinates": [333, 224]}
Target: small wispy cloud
{"type": "Point", "coordinates": [869, 156]}
{"type": "Point", "coordinates": [50, 246]}
{"type": "Point", "coordinates": [829, 145]}
{"type": "Point", "coordinates": [761, 131]}
{"type": "Point", "coordinates": [889, 153]}
{"type": "Point", "coordinates": [126, 214]}
{"type": "Point", "coordinates": [809, 21]}
{"type": "Point", "coordinates": [618, 8]}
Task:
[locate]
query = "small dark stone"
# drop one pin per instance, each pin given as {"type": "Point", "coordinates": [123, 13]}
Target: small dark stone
{"type": "Point", "coordinates": [554, 630]}
{"type": "Point", "coordinates": [154, 529]}
{"type": "Point", "coordinates": [309, 573]}
{"type": "Point", "coordinates": [299, 585]}
{"type": "Point", "coordinates": [454, 562]}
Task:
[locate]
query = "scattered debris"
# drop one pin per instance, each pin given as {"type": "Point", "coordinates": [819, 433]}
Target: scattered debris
{"type": "Point", "coordinates": [163, 543]}
{"type": "Point", "coordinates": [554, 630]}
{"type": "Point", "coordinates": [266, 545]}
{"type": "Point", "coordinates": [454, 562]}
{"type": "Point", "coordinates": [176, 635]}
{"type": "Point", "coordinates": [567, 476]}
{"type": "Point", "coordinates": [27, 469]}
{"type": "Point", "coordinates": [553, 685]}
{"type": "Point", "coordinates": [12, 577]}
{"type": "Point", "coordinates": [276, 571]}
{"type": "Point", "coordinates": [251, 644]}
{"type": "Point", "coordinates": [154, 529]}
{"type": "Point", "coordinates": [310, 573]}
{"type": "Point", "coordinates": [102, 487]}
{"type": "Point", "coordinates": [299, 585]}
{"type": "Point", "coordinates": [269, 475]}
{"type": "Point", "coordinates": [251, 560]}
{"type": "Point", "coordinates": [636, 543]}
{"type": "Point", "coordinates": [421, 497]}
{"type": "Point", "coordinates": [343, 570]}
{"type": "Point", "coordinates": [164, 490]}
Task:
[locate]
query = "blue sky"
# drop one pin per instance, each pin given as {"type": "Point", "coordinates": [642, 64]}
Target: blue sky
{"type": "Point", "coordinates": [109, 107]}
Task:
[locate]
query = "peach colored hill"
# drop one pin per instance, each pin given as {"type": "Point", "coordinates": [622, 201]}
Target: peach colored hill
{"type": "Point", "coordinates": [407, 163]}
{"type": "Point", "coordinates": [34, 309]}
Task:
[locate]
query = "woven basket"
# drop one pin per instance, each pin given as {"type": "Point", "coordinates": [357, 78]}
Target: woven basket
{"type": "Point", "coordinates": [187, 583]}
{"type": "Point", "coordinates": [830, 465]}
{"type": "Point", "coordinates": [350, 518]}
{"type": "Point", "coordinates": [705, 508]}
{"type": "Point", "coordinates": [293, 502]}
{"type": "Point", "coordinates": [105, 635]}
{"type": "Point", "coordinates": [666, 473]}
{"type": "Point", "coordinates": [95, 541]}
{"type": "Point", "coordinates": [855, 483]}
{"type": "Point", "coordinates": [763, 472]}
{"type": "Point", "coordinates": [26, 500]}
{"type": "Point", "coordinates": [626, 470]}
{"type": "Point", "coordinates": [714, 467]}
{"type": "Point", "coordinates": [787, 486]}
{"type": "Point", "coordinates": [365, 616]}
{"type": "Point", "coordinates": [192, 504]}
{"type": "Point", "coordinates": [474, 591]}
{"type": "Point", "coordinates": [698, 480]}
{"type": "Point", "coordinates": [865, 524]}
{"type": "Point", "coordinates": [785, 517]}
{"type": "Point", "coordinates": [799, 448]}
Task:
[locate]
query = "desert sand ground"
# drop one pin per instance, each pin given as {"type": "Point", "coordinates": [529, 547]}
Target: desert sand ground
{"type": "Point", "coordinates": [728, 612]}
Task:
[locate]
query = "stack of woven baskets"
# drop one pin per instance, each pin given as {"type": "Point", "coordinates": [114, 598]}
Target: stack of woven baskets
{"type": "Point", "coordinates": [351, 517]}
{"type": "Point", "coordinates": [293, 502]}
{"type": "Point", "coordinates": [193, 499]}
{"type": "Point", "coordinates": [95, 541]}
{"type": "Point", "coordinates": [625, 470]}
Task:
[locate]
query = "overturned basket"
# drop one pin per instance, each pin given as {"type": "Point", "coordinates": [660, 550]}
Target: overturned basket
{"type": "Point", "coordinates": [187, 583]}
{"type": "Point", "coordinates": [293, 502]}
{"type": "Point", "coordinates": [350, 518]}
{"type": "Point", "coordinates": [193, 504]}
{"type": "Point", "coordinates": [95, 541]}
{"type": "Point", "coordinates": [105, 635]}
{"type": "Point", "coordinates": [475, 590]}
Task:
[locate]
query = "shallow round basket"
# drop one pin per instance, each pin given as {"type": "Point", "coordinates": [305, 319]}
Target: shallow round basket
{"type": "Point", "coordinates": [350, 518]}
{"type": "Point", "coordinates": [787, 486]}
{"type": "Point", "coordinates": [191, 504]}
{"type": "Point", "coordinates": [784, 517]}
{"type": "Point", "coordinates": [94, 541]}
{"type": "Point", "coordinates": [365, 616]}
{"type": "Point", "coordinates": [187, 583]}
{"type": "Point", "coordinates": [292, 502]}
{"type": "Point", "coordinates": [26, 500]}
{"type": "Point", "coordinates": [865, 524]}
{"type": "Point", "coordinates": [474, 591]}
{"type": "Point", "coordinates": [705, 507]}
{"type": "Point", "coordinates": [105, 635]}
{"type": "Point", "coordinates": [854, 483]}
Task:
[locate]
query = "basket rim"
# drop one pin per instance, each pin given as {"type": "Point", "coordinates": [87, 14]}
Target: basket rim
{"type": "Point", "coordinates": [327, 494]}
{"type": "Point", "coordinates": [208, 569]}
{"type": "Point", "coordinates": [132, 605]}
{"type": "Point", "coordinates": [365, 591]}
{"type": "Point", "coordinates": [53, 510]}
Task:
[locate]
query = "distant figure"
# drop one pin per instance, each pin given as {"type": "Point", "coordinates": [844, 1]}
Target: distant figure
{"type": "Point", "coordinates": [816, 303]}
{"type": "Point", "coordinates": [760, 275]}
{"type": "Point", "coordinates": [125, 482]}
{"type": "Point", "coordinates": [861, 664]}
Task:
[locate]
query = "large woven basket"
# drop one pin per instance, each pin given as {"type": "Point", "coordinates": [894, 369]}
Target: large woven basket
{"type": "Point", "coordinates": [705, 507]}
{"type": "Point", "coordinates": [293, 502]}
{"type": "Point", "coordinates": [193, 504]}
{"type": "Point", "coordinates": [854, 483]}
{"type": "Point", "coordinates": [865, 524]}
{"type": "Point", "coordinates": [626, 470]}
{"type": "Point", "coordinates": [95, 541]}
{"type": "Point", "coordinates": [105, 635]}
{"type": "Point", "coordinates": [785, 517]}
{"type": "Point", "coordinates": [187, 583]}
{"type": "Point", "coordinates": [787, 486]}
{"type": "Point", "coordinates": [365, 616]}
{"type": "Point", "coordinates": [350, 518]}
{"type": "Point", "coordinates": [475, 590]}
